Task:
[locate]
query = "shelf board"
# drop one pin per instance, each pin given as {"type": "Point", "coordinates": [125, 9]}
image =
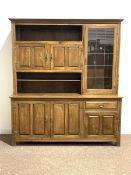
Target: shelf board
{"type": "Point", "coordinates": [45, 80]}
{"type": "Point", "coordinates": [49, 71]}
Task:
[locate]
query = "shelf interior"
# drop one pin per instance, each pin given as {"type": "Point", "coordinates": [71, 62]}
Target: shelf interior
{"type": "Point", "coordinates": [48, 32]}
{"type": "Point", "coordinates": [31, 82]}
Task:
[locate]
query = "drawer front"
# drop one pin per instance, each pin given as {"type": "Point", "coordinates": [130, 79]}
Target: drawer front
{"type": "Point", "coordinates": [101, 105]}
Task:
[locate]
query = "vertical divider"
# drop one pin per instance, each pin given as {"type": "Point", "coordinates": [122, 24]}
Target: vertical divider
{"type": "Point", "coordinates": [31, 119]}
{"type": "Point", "coordinates": [66, 119]}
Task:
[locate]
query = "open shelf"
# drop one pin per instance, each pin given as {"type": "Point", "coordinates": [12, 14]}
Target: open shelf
{"type": "Point", "coordinates": [48, 33]}
{"type": "Point", "coordinates": [29, 82]}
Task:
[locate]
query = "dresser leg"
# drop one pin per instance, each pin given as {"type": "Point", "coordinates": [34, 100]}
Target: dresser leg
{"type": "Point", "coordinates": [116, 143]}
{"type": "Point", "coordinates": [13, 141]}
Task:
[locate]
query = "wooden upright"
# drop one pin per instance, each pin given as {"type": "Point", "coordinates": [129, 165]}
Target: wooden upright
{"type": "Point", "coordinates": [65, 80]}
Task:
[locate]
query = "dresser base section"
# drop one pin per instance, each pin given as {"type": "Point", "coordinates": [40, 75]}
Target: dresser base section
{"type": "Point", "coordinates": [66, 120]}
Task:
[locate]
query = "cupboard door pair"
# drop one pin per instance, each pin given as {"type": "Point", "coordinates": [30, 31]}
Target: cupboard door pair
{"type": "Point", "coordinates": [66, 57]}
{"type": "Point", "coordinates": [100, 123]}
{"type": "Point", "coordinates": [48, 119]}
{"type": "Point", "coordinates": [32, 56]}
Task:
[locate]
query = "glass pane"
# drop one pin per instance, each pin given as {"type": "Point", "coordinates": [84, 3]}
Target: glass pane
{"type": "Point", "coordinates": [100, 58]}
{"type": "Point", "coordinates": [108, 59]}
{"type": "Point", "coordinates": [91, 71]}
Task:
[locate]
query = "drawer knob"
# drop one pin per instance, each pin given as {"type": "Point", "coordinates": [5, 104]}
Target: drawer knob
{"type": "Point", "coordinates": [101, 106]}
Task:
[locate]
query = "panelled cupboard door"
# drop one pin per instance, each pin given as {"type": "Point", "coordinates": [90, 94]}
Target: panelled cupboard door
{"type": "Point", "coordinates": [33, 56]}
{"type": "Point", "coordinates": [32, 118]}
{"type": "Point", "coordinates": [66, 57]}
{"type": "Point", "coordinates": [100, 123]}
{"type": "Point", "coordinates": [65, 120]}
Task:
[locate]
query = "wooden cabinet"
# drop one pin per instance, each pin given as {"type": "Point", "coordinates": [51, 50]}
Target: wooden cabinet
{"type": "Point", "coordinates": [65, 80]}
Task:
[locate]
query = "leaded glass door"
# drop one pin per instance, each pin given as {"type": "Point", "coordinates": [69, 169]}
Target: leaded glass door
{"type": "Point", "coordinates": [101, 59]}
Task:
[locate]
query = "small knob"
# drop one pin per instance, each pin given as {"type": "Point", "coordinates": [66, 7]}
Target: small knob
{"type": "Point", "coordinates": [101, 106]}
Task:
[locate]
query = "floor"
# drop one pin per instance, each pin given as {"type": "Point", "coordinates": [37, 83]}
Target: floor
{"type": "Point", "coordinates": [65, 159]}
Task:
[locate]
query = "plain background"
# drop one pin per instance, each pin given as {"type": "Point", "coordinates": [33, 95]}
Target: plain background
{"type": "Point", "coordinates": [64, 9]}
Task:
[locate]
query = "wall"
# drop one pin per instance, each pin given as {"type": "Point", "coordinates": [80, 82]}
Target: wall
{"type": "Point", "coordinates": [63, 9]}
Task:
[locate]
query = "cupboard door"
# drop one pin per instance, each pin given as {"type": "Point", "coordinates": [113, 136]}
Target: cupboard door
{"type": "Point", "coordinates": [23, 119]}
{"type": "Point", "coordinates": [66, 120]}
{"type": "Point", "coordinates": [100, 123]}
{"type": "Point", "coordinates": [41, 119]}
{"type": "Point", "coordinates": [24, 57]}
{"type": "Point", "coordinates": [58, 56]}
{"type": "Point", "coordinates": [74, 57]}
{"type": "Point", "coordinates": [92, 123]}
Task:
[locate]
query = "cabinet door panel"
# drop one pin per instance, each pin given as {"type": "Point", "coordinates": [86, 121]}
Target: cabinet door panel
{"type": "Point", "coordinates": [59, 119]}
{"type": "Point", "coordinates": [58, 56]}
{"type": "Point", "coordinates": [100, 123]}
{"type": "Point", "coordinates": [108, 125]}
{"type": "Point", "coordinates": [24, 57]}
{"type": "Point", "coordinates": [74, 56]}
{"type": "Point", "coordinates": [24, 118]}
{"type": "Point", "coordinates": [92, 124]}
{"type": "Point", "coordinates": [39, 118]}
{"type": "Point", "coordinates": [74, 119]}
{"type": "Point", "coordinates": [40, 56]}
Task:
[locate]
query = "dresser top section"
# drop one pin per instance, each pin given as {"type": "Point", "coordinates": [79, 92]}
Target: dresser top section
{"type": "Point", "coordinates": [66, 21]}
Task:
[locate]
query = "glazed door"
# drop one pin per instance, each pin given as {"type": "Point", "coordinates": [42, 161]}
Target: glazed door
{"type": "Point", "coordinates": [102, 71]}
{"type": "Point", "coordinates": [66, 120]}
{"type": "Point", "coordinates": [100, 123]}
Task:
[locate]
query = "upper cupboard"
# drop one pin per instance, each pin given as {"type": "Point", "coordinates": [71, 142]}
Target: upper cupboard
{"type": "Point", "coordinates": [49, 46]}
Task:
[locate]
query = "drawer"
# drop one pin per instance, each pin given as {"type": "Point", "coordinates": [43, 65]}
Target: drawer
{"type": "Point", "coordinates": [101, 105]}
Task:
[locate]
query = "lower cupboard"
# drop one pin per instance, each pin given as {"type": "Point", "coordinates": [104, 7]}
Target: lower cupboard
{"type": "Point", "coordinates": [48, 121]}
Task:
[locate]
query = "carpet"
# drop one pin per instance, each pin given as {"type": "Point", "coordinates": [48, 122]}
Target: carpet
{"type": "Point", "coordinates": [65, 158]}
